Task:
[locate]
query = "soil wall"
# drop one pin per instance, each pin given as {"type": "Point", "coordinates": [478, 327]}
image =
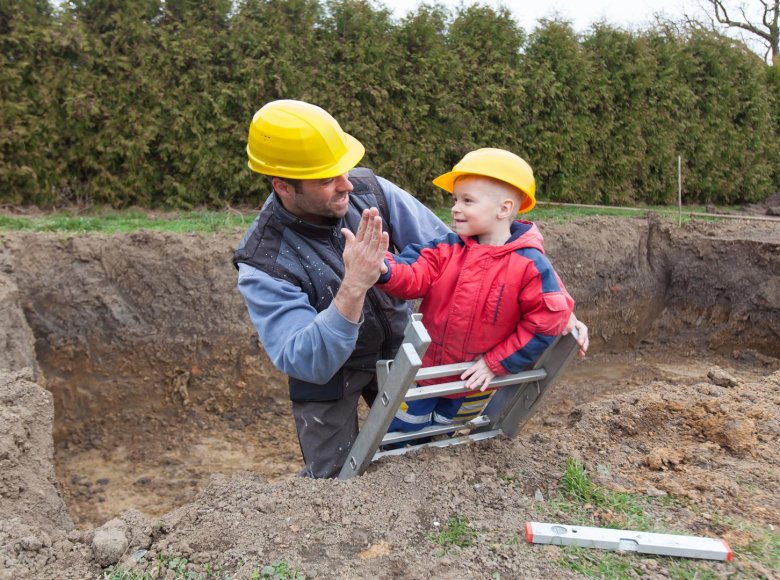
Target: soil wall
{"type": "Point", "coordinates": [142, 341]}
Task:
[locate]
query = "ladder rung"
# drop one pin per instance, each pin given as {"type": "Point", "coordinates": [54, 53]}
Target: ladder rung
{"type": "Point", "coordinates": [442, 371]}
{"type": "Point", "coordinates": [456, 387]}
{"type": "Point", "coordinates": [398, 436]}
{"type": "Point", "coordinates": [442, 443]}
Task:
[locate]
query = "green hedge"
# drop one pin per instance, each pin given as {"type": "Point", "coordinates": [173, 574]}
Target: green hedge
{"type": "Point", "coordinates": [140, 102]}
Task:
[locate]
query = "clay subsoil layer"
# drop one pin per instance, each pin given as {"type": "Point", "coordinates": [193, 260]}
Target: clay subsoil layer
{"type": "Point", "coordinates": [139, 417]}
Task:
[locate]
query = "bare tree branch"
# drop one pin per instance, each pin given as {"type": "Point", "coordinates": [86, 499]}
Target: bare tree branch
{"type": "Point", "coordinates": [768, 31]}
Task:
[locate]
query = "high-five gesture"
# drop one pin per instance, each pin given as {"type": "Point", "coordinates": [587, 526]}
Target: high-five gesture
{"type": "Point", "coordinates": [363, 260]}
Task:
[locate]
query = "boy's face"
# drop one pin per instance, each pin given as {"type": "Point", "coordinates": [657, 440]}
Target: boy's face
{"type": "Point", "coordinates": [482, 206]}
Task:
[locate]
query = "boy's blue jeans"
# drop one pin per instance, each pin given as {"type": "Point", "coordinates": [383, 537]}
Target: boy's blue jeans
{"type": "Point", "coordinates": [415, 415]}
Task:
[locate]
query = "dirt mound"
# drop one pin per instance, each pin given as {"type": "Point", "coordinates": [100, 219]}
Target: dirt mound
{"type": "Point", "coordinates": [691, 441]}
{"type": "Point", "coordinates": [34, 521]}
{"type": "Point", "coordinates": [158, 383]}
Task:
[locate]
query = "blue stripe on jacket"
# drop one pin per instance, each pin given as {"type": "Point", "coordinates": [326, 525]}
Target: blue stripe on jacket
{"type": "Point", "coordinates": [521, 359]}
{"type": "Point", "coordinates": [412, 252]}
{"type": "Point", "coordinates": [543, 266]}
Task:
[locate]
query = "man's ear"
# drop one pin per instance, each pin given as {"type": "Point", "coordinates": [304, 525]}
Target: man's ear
{"type": "Point", "coordinates": [282, 188]}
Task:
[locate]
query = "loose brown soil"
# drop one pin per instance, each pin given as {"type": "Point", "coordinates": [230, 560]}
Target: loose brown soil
{"type": "Point", "coordinates": [139, 417]}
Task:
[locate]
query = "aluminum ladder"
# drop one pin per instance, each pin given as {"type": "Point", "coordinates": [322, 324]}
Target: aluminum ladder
{"type": "Point", "coordinates": [516, 399]}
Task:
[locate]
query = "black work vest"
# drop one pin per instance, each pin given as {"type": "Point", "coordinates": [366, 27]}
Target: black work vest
{"type": "Point", "coordinates": [310, 257]}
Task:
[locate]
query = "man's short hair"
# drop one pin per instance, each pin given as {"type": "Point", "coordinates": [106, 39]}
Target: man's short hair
{"type": "Point", "coordinates": [296, 183]}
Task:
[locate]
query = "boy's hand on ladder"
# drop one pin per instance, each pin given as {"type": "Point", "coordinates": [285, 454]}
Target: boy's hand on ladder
{"type": "Point", "coordinates": [478, 376]}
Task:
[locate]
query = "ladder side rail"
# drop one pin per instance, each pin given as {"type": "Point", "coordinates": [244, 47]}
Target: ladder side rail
{"type": "Point", "coordinates": [393, 380]}
{"type": "Point", "coordinates": [405, 365]}
{"type": "Point", "coordinates": [417, 335]}
{"type": "Point", "coordinates": [514, 414]}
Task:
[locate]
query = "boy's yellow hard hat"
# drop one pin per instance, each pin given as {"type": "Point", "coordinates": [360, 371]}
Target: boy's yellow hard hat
{"type": "Point", "coordinates": [498, 164]}
{"type": "Point", "coordinates": [299, 140]}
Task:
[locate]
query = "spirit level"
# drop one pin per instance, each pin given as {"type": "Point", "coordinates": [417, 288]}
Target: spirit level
{"type": "Point", "coordinates": [628, 541]}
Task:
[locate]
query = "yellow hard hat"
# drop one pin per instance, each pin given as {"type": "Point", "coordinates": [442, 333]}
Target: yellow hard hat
{"type": "Point", "coordinates": [299, 140]}
{"type": "Point", "coordinates": [498, 164]}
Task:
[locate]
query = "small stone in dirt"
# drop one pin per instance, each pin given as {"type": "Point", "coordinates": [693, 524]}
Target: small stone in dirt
{"type": "Point", "coordinates": [103, 481]}
{"type": "Point", "coordinates": [410, 478]}
{"type": "Point", "coordinates": [662, 457]}
{"type": "Point", "coordinates": [110, 542]}
{"type": "Point", "coordinates": [31, 543]}
{"type": "Point", "coordinates": [739, 435]}
{"type": "Point", "coordinates": [538, 495]}
{"type": "Point", "coordinates": [721, 378]}
{"type": "Point", "coordinates": [655, 492]}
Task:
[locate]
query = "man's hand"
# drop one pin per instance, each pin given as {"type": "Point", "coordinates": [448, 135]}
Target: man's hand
{"type": "Point", "coordinates": [478, 375]}
{"type": "Point", "coordinates": [363, 256]}
{"type": "Point", "coordinates": [582, 334]}
{"type": "Point", "coordinates": [364, 251]}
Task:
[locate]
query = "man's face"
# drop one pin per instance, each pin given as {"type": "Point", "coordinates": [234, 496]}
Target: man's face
{"type": "Point", "coordinates": [316, 200]}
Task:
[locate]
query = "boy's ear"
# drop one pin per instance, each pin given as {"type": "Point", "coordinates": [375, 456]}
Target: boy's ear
{"type": "Point", "coordinates": [508, 208]}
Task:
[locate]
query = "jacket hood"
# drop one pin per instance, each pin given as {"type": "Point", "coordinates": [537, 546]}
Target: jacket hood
{"type": "Point", "coordinates": [524, 235]}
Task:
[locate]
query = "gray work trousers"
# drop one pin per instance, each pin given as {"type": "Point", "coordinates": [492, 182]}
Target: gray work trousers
{"type": "Point", "coordinates": [327, 429]}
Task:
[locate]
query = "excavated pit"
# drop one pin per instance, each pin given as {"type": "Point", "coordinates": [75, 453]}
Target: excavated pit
{"type": "Point", "coordinates": [158, 381]}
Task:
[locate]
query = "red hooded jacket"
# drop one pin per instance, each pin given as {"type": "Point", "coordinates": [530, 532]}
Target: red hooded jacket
{"type": "Point", "coordinates": [504, 302]}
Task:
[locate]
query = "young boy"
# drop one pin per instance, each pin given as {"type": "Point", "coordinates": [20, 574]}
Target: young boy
{"type": "Point", "coordinates": [489, 292]}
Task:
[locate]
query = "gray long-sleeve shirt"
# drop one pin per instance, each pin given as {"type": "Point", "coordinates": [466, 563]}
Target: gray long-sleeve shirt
{"type": "Point", "coordinates": [311, 345]}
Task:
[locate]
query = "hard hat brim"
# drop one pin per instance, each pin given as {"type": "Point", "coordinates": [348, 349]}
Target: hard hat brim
{"type": "Point", "coordinates": [447, 180]}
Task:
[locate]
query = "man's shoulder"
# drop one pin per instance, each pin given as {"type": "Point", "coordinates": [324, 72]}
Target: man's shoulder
{"type": "Point", "coordinates": [363, 180]}
{"type": "Point", "coordinates": [262, 234]}
{"type": "Point", "coordinates": [366, 184]}
{"type": "Point", "coordinates": [361, 173]}
{"type": "Point", "coordinates": [366, 177]}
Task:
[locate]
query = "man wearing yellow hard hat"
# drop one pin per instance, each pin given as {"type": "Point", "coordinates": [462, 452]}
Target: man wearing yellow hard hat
{"type": "Point", "coordinates": [317, 314]}
{"type": "Point", "coordinates": [307, 266]}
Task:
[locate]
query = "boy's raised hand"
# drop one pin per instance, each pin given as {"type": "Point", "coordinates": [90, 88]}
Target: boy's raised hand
{"type": "Point", "coordinates": [478, 375]}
